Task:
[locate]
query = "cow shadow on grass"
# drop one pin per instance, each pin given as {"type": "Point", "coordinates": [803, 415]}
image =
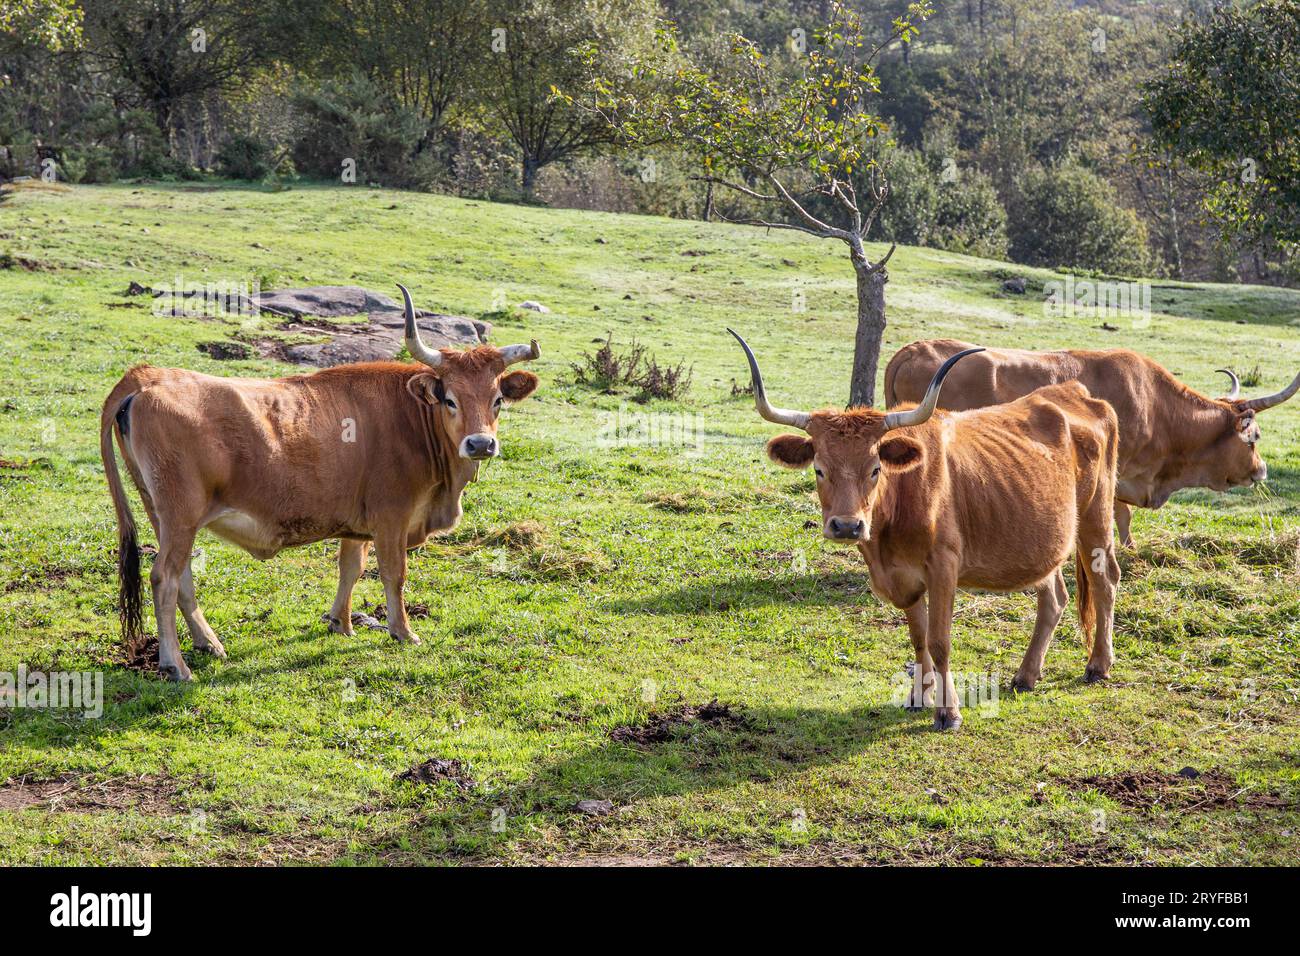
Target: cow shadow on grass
{"type": "Point", "coordinates": [757, 745]}
{"type": "Point", "coordinates": [818, 589]}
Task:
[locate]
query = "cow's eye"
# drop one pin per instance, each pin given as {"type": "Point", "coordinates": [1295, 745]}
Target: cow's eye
{"type": "Point", "coordinates": [497, 404]}
{"type": "Point", "coordinates": [875, 472]}
{"type": "Point", "coordinates": [818, 472]}
{"type": "Point", "coordinates": [450, 403]}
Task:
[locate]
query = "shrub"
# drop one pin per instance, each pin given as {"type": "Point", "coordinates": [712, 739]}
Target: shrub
{"type": "Point", "coordinates": [245, 157]}
{"type": "Point", "coordinates": [911, 209]}
{"type": "Point", "coordinates": [1069, 217]}
{"type": "Point", "coordinates": [663, 381]}
{"type": "Point", "coordinates": [354, 119]}
{"type": "Point", "coordinates": [923, 209]}
{"type": "Point", "coordinates": [970, 218]}
{"type": "Point", "coordinates": [606, 369]}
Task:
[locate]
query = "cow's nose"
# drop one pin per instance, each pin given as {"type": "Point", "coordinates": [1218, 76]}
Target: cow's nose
{"type": "Point", "coordinates": [1260, 473]}
{"type": "Point", "coordinates": [479, 447]}
{"type": "Point", "coordinates": [846, 529]}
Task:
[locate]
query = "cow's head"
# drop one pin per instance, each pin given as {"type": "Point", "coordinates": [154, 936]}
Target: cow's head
{"type": "Point", "coordinates": [1234, 460]}
{"type": "Point", "coordinates": [468, 389]}
{"type": "Point", "coordinates": [852, 453]}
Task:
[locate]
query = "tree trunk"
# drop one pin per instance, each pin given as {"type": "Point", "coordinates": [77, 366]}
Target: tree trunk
{"type": "Point", "coordinates": [529, 175]}
{"type": "Point", "coordinates": [871, 330]}
{"type": "Point", "coordinates": [708, 202]}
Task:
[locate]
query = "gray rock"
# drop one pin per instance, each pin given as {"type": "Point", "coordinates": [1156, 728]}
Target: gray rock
{"type": "Point", "coordinates": [594, 808]}
{"type": "Point", "coordinates": [1015, 285]}
{"type": "Point", "coordinates": [533, 306]}
{"type": "Point", "coordinates": [326, 301]}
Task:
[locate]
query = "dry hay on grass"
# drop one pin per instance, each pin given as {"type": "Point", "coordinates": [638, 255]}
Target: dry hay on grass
{"type": "Point", "coordinates": [72, 793]}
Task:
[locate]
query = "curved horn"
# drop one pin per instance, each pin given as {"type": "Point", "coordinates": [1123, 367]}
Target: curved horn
{"type": "Point", "coordinates": [431, 358]}
{"type": "Point", "coordinates": [1268, 401]}
{"type": "Point", "coordinates": [1236, 383]}
{"type": "Point", "coordinates": [520, 353]}
{"type": "Point", "coordinates": [922, 412]}
{"type": "Point", "coordinates": [781, 416]}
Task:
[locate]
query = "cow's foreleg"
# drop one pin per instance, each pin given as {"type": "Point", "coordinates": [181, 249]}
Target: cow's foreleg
{"type": "Point", "coordinates": [922, 693]}
{"type": "Point", "coordinates": [174, 544]}
{"type": "Point", "coordinates": [1123, 522]}
{"type": "Point", "coordinates": [1052, 598]}
{"type": "Point", "coordinates": [352, 561]}
{"type": "Point", "coordinates": [200, 631]}
{"type": "Point", "coordinates": [941, 587]}
{"type": "Point", "coordinates": [390, 550]}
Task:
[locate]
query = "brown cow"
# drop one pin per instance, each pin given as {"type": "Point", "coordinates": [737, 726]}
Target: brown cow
{"type": "Point", "coordinates": [379, 451]}
{"type": "Point", "coordinates": [993, 499]}
{"type": "Point", "coordinates": [1171, 437]}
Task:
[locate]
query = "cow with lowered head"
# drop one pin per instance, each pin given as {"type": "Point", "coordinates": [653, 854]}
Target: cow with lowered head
{"type": "Point", "coordinates": [1171, 436]}
{"type": "Point", "coordinates": [994, 499]}
{"type": "Point", "coordinates": [373, 453]}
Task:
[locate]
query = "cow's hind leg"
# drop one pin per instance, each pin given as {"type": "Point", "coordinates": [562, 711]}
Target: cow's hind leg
{"type": "Point", "coordinates": [200, 631]}
{"type": "Point", "coordinates": [1102, 571]}
{"type": "Point", "coordinates": [352, 561]}
{"type": "Point", "coordinates": [390, 550]}
{"type": "Point", "coordinates": [169, 566]}
{"type": "Point", "coordinates": [1052, 598]}
{"type": "Point", "coordinates": [922, 692]}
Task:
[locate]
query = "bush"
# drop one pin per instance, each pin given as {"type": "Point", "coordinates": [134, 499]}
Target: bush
{"type": "Point", "coordinates": [1069, 217]}
{"type": "Point", "coordinates": [354, 119]}
{"type": "Point", "coordinates": [922, 209]}
{"type": "Point", "coordinates": [607, 369]}
{"type": "Point", "coordinates": [245, 157]}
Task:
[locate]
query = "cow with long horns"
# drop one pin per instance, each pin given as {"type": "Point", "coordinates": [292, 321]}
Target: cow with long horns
{"type": "Point", "coordinates": [1171, 437]}
{"type": "Point", "coordinates": [994, 499]}
{"type": "Point", "coordinates": [378, 452]}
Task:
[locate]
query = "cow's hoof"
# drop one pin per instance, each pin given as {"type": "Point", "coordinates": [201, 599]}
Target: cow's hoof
{"type": "Point", "coordinates": [216, 650]}
{"type": "Point", "coordinates": [406, 639]}
{"type": "Point", "coordinates": [1094, 675]}
{"type": "Point", "coordinates": [338, 627]}
{"type": "Point", "coordinates": [947, 721]}
{"type": "Point", "coordinates": [914, 707]}
{"type": "Point", "coordinates": [1021, 685]}
{"type": "Point", "coordinates": [175, 673]}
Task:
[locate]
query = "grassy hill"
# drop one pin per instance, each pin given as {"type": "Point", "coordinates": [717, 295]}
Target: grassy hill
{"type": "Point", "coordinates": [597, 585]}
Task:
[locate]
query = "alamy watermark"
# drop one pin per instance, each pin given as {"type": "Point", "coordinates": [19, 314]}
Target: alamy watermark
{"type": "Point", "coordinates": [1099, 298]}
{"type": "Point", "coordinates": [56, 690]}
{"type": "Point", "coordinates": [976, 691]}
{"type": "Point", "coordinates": [631, 427]}
{"type": "Point", "coordinates": [208, 298]}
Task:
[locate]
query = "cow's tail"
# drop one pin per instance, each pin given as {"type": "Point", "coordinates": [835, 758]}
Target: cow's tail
{"type": "Point", "coordinates": [129, 595]}
{"type": "Point", "coordinates": [1083, 600]}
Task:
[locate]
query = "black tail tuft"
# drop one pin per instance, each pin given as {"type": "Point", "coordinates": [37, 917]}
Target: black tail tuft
{"type": "Point", "coordinates": [130, 608]}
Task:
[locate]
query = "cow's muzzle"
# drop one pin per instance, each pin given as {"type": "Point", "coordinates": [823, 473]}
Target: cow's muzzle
{"type": "Point", "coordinates": [846, 529]}
{"type": "Point", "coordinates": [479, 447]}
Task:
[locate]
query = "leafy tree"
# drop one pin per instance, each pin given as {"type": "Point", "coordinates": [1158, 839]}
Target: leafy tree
{"type": "Point", "coordinates": [526, 56]}
{"type": "Point", "coordinates": [777, 137]}
{"type": "Point", "coordinates": [1228, 105]}
{"type": "Point", "coordinates": [1068, 216]}
{"type": "Point", "coordinates": [53, 24]}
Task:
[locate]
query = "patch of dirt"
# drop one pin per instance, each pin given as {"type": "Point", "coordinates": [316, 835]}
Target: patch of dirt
{"type": "Point", "coordinates": [143, 656]}
{"type": "Point", "coordinates": [72, 793]}
{"type": "Point", "coordinates": [1188, 789]}
{"type": "Point", "coordinates": [225, 351]}
{"type": "Point", "coordinates": [39, 579]}
{"type": "Point", "coordinates": [437, 770]}
{"type": "Point", "coordinates": [664, 726]}
{"type": "Point", "coordinates": [412, 611]}
{"type": "Point", "coordinates": [12, 260]}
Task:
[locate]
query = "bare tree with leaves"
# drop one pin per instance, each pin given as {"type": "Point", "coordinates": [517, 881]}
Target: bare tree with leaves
{"type": "Point", "coordinates": [775, 136]}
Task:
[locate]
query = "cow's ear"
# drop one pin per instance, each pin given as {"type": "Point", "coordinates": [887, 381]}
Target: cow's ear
{"type": "Point", "coordinates": [900, 454]}
{"type": "Point", "coordinates": [425, 388]}
{"type": "Point", "coordinates": [517, 386]}
{"type": "Point", "coordinates": [792, 451]}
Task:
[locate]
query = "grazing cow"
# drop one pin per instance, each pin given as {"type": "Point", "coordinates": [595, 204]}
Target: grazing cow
{"type": "Point", "coordinates": [374, 452]}
{"type": "Point", "coordinates": [993, 499]}
{"type": "Point", "coordinates": [1171, 437]}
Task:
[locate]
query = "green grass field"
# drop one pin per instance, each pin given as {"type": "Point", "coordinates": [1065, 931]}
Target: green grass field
{"type": "Point", "coordinates": [596, 585]}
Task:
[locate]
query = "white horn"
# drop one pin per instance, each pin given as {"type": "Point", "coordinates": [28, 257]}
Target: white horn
{"type": "Point", "coordinates": [431, 358]}
{"type": "Point", "coordinates": [781, 416]}
{"type": "Point", "coordinates": [1236, 383]}
{"type": "Point", "coordinates": [521, 353]}
{"type": "Point", "coordinates": [922, 412]}
{"type": "Point", "coordinates": [1268, 401]}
